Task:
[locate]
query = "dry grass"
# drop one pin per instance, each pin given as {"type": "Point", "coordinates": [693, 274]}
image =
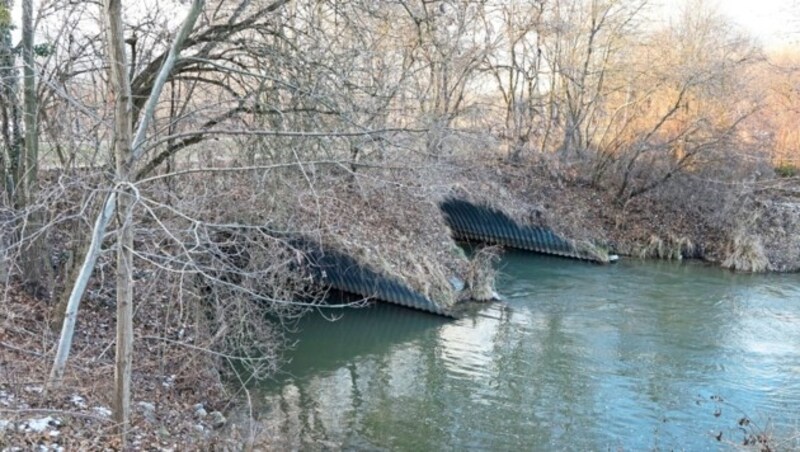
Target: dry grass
{"type": "Point", "coordinates": [745, 252]}
{"type": "Point", "coordinates": [481, 274]}
{"type": "Point", "coordinates": [671, 248]}
{"type": "Point", "coordinates": [778, 225]}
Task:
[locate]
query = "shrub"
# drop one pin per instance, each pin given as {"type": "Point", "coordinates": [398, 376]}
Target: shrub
{"type": "Point", "coordinates": [786, 170]}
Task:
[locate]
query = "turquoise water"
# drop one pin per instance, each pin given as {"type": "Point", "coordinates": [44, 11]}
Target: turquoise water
{"type": "Point", "coordinates": [633, 356]}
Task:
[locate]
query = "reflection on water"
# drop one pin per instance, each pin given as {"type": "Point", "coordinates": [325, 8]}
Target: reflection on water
{"type": "Point", "coordinates": [630, 356]}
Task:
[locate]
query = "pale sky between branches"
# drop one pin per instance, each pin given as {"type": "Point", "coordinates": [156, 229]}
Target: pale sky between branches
{"type": "Point", "coordinates": [776, 23]}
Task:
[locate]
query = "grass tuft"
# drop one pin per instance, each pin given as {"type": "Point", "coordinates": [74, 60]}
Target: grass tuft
{"type": "Point", "coordinates": [480, 275]}
{"type": "Point", "coordinates": [671, 248]}
{"type": "Point", "coordinates": [745, 253]}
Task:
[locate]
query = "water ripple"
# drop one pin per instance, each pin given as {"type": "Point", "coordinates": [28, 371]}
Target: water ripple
{"type": "Point", "coordinates": [633, 356]}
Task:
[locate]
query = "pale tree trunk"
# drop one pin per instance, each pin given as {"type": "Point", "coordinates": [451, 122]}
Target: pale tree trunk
{"type": "Point", "coordinates": [124, 349]}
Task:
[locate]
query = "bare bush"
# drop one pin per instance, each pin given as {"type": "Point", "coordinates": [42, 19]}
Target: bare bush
{"type": "Point", "coordinates": [481, 274]}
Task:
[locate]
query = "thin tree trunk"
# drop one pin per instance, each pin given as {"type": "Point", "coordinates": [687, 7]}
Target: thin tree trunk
{"type": "Point", "coordinates": [9, 104]}
{"type": "Point", "coordinates": [120, 90]}
{"type": "Point", "coordinates": [124, 349]}
{"type": "Point", "coordinates": [29, 168]}
{"type": "Point", "coordinates": [36, 270]}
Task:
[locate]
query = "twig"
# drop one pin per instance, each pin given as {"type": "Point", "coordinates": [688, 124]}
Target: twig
{"type": "Point", "coordinates": [285, 133]}
{"type": "Point", "coordinates": [193, 347]}
{"type": "Point", "coordinates": [17, 349]}
{"type": "Point", "coordinates": [235, 169]}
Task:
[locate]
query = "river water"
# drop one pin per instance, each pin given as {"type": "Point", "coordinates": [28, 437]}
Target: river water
{"type": "Point", "coordinates": [632, 356]}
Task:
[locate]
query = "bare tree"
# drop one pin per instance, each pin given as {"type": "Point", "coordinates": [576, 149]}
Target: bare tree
{"type": "Point", "coordinates": [517, 66]}
{"type": "Point", "coordinates": [127, 150]}
{"type": "Point", "coordinates": [120, 91]}
{"type": "Point", "coordinates": [678, 109]}
{"type": "Point", "coordinates": [9, 107]}
{"type": "Point", "coordinates": [19, 161]}
{"type": "Point", "coordinates": [37, 270]}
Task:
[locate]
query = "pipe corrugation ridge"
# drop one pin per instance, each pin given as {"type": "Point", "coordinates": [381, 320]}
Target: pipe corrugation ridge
{"type": "Point", "coordinates": [342, 272]}
{"type": "Point", "coordinates": [473, 222]}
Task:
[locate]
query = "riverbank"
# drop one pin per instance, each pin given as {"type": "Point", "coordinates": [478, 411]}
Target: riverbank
{"type": "Point", "coordinates": [750, 226]}
{"type": "Point", "coordinates": [183, 388]}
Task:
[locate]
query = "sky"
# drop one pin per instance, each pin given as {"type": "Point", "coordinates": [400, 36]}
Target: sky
{"type": "Point", "coordinates": [775, 22]}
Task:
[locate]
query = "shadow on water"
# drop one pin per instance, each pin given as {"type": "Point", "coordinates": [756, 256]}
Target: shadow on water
{"type": "Point", "coordinates": [637, 355]}
{"type": "Point", "coordinates": [346, 334]}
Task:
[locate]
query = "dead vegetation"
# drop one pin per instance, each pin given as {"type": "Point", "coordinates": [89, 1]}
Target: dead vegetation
{"type": "Point", "coordinates": [671, 248]}
{"type": "Point", "coordinates": [345, 123]}
{"type": "Point", "coordinates": [703, 214]}
{"type": "Point", "coordinates": [387, 219]}
{"type": "Point", "coordinates": [745, 252]}
{"type": "Point", "coordinates": [172, 372]}
{"type": "Point", "coordinates": [218, 283]}
{"type": "Point", "coordinates": [480, 274]}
